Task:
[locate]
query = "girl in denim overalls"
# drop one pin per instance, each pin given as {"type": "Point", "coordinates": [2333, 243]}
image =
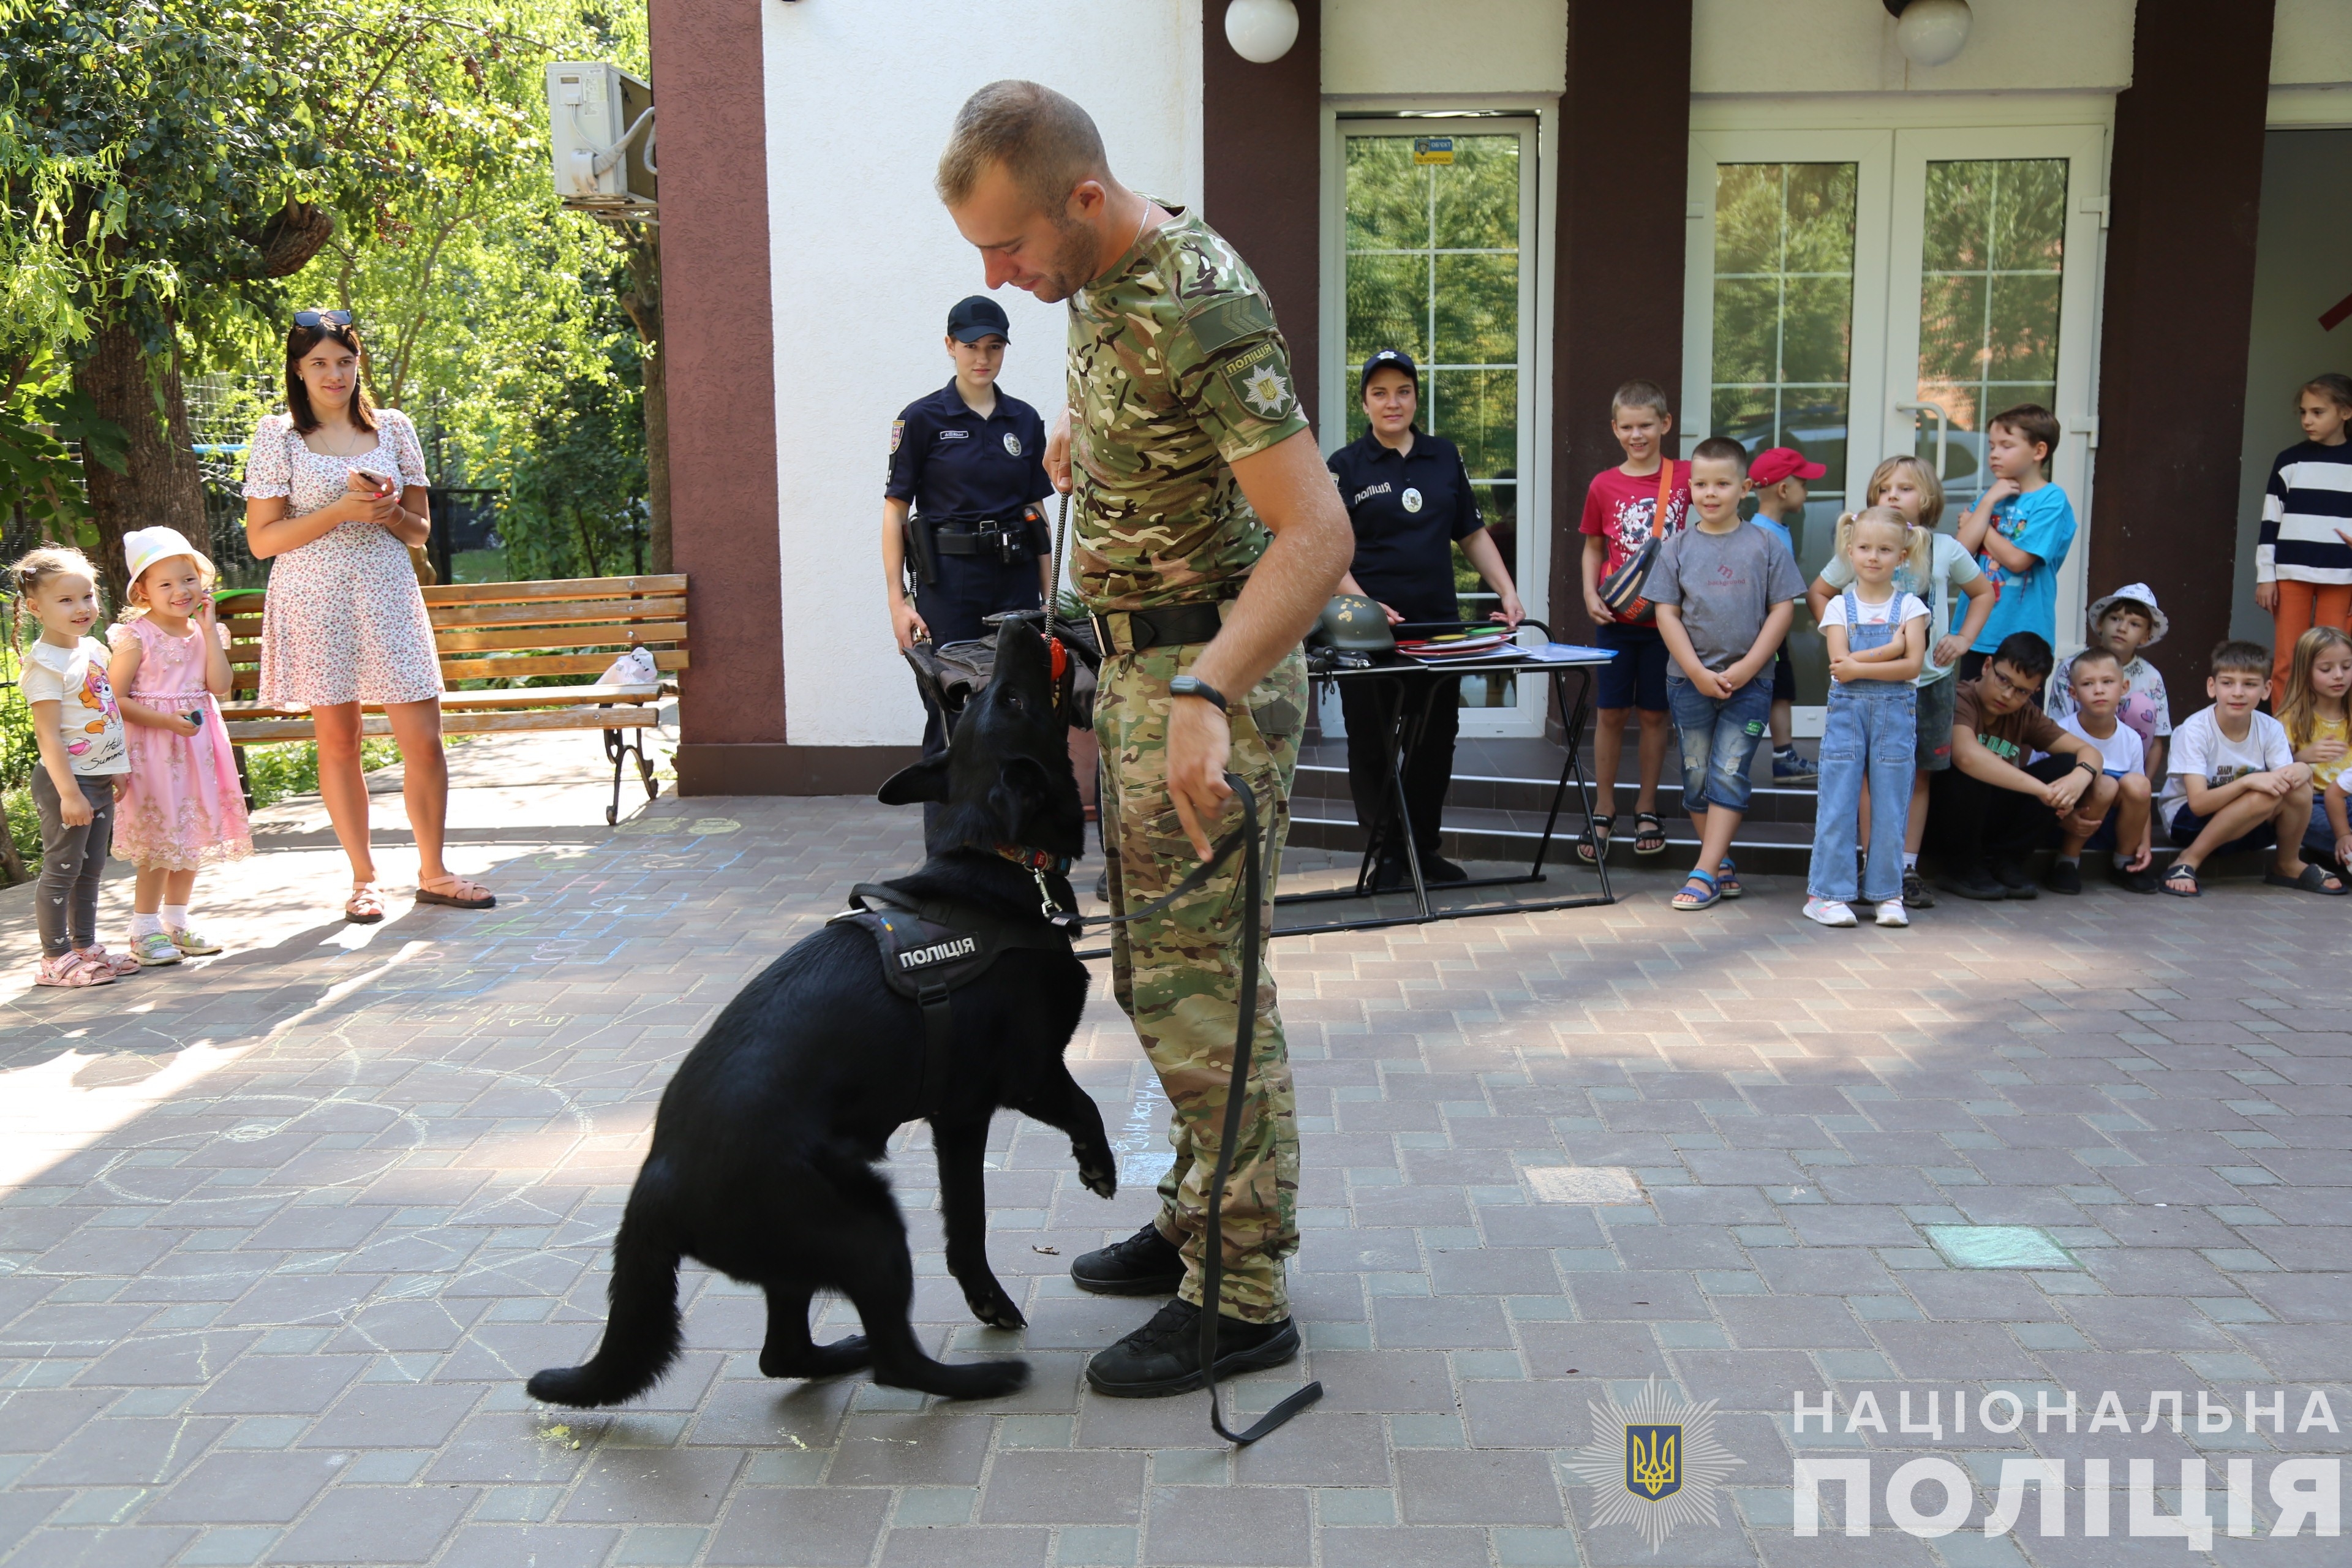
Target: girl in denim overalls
{"type": "Point", "coordinates": [1877, 638]}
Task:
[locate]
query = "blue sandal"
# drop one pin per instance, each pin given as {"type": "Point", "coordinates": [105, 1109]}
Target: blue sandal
{"type": "Point", "coordinates": [1689, 902]}
{"type": "Point", "coordinates": [1727, 879]}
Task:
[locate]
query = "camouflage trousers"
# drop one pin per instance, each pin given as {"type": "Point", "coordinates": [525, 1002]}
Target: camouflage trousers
{"type": "Point", "coordinates": [1178, 975]}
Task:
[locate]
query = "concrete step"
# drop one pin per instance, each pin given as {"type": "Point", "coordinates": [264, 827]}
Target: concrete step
{"type": "Point", "coordinates": [1477, 834]}
{"type": "Point", "coordinates": [1503, 788]}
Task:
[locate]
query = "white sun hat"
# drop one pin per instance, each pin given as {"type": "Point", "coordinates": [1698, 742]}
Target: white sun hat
{"type": "Point", "coordinates": [2138, 593]}
{"type": "Point", "coordinates": [142, 547]}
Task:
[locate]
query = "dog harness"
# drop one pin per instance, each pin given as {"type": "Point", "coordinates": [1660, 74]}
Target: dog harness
{"type": "Point", "coordinates": [928, 950]}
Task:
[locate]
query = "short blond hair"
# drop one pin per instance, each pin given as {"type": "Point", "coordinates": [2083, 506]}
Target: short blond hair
{"type": "Point", "coordinates": [1043, 139]}
{"type": "Point", "coordinates": [1931, 488]}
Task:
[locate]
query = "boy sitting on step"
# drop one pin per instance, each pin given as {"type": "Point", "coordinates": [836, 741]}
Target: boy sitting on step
{"type": "Point", "coordinates": [2235, 784]}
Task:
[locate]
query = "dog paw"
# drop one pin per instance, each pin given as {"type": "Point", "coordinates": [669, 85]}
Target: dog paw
{"type": "Point", "coordinates": [852, 1354]}
{"type": "Point", "coordinates": [1098, 1174]}
{"type": "Point", "coordinates": [995, 1309]}
{"type": "Point", "coordinates": [981, 1379]}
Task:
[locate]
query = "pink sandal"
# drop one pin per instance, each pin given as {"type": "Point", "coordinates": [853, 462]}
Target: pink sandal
{"type": "Point", "coordinates": [365, 906]}
{"type": "Point", "coordinates": [73, 970]}
{"type": "Point", "coordinates": [455, 892]}
{"type": "Point", "coordinates": [115, 963]}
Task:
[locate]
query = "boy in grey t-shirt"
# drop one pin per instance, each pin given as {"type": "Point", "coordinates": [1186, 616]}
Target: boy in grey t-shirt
{"type": "Point", "coordinates": [1724, 593]}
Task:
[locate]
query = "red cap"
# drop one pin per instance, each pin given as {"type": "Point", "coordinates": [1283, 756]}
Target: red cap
{"type": "Point", "coordinates": [1777, 463]}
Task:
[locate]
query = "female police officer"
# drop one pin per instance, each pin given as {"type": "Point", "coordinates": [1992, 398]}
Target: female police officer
{"type": "Point", "coordinates": [970, 461]}
{"type": "Point", "coordinates": [1409, 498]}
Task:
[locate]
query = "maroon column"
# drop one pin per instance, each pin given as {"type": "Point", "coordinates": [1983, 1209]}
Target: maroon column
{"type": "Point", "coordinates": [2184, 196]}
{"type": "Point", "coordinates": [1624, 149]}
{"type": "Point", "coordinates": [714, 296]}
{"type": "Point", "coordinates": [1262, 165]}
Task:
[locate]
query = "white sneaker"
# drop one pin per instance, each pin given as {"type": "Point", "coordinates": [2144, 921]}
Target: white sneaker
{"type": "Point", "coordinates": [1890, 914]}
{"type": "Point", "coordinates": [153, 949]}
{"type": "Point", "coordinates": [1829, 912]}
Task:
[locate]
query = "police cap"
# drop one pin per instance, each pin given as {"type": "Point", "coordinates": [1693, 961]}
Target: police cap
{"type": "Point", "coordinates": [976, 317]}
{"type": "Point", "coordinates": [1388, 359]}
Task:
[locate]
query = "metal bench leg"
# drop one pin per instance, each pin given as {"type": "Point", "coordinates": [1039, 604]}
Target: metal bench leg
{"type": "Point", "coordinates": [617, 750]}
{"type": "Point", "coordinates": [617, 747]}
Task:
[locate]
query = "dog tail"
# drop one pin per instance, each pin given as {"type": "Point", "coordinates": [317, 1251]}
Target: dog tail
{"type": "Point", "coordinates": [641, 1337]}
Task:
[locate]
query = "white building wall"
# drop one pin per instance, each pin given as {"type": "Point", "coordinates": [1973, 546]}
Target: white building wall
{"type": "Point", "coordinates": [1847, 45]}
{"type": "Point", "coordinates": [1392, 48]}
{"type": "Point", "coordinates": [864, 264]}
{"type": "Point", "coordinates": [2311, 43]}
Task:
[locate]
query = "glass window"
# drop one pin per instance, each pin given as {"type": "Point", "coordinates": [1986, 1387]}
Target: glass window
{"type": "Point", "coordinates": [1783, 352]}
{"type": "Point", "coordinates": [1434, 259]}
{"type": "Point", "coordinates": [1993, 262]}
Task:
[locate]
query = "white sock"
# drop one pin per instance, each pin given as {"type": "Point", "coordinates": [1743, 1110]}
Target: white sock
{"type": "Point", "coordinates": [176, 916]}
{"type": "Point", "coordinates": [144, 925]}
{"type": "Point", "coordinates": [1910, 859]}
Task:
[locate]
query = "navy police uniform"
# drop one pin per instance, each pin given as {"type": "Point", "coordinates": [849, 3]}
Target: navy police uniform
{"type": "Point", "coordinates": [970, 480]}
{"type": "Point", "coordinates": [973, 483]}
{"type": "Point", "coordinates": [1408, 509]}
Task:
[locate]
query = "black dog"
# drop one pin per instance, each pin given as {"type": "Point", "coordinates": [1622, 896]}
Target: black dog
{"type": "Point", "coordinates": [763, 1149]}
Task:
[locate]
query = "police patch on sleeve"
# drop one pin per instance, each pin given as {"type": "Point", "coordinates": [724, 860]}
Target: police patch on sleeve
{"type": "Point", "coordinates": [1259, 376]}
{"type": "Point", "coordinates": [898, 434]}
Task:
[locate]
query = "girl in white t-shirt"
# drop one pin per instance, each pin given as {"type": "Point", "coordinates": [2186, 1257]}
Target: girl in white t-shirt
{"type": "Point", "coordinates": [79, 728]}
{"type": "Point", "coordinates": [1878, 637]}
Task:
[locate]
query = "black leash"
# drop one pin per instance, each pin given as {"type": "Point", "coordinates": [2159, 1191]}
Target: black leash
{"type": "Point", "coordinates": [1246, 839]}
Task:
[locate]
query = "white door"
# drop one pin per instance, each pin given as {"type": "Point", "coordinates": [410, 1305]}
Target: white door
{"type": "Point", "coordinates": [1433, 250]}
{"type": "Point", "coordinates": [1854, 294]}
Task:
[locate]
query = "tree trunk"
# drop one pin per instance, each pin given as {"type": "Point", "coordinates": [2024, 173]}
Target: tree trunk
{"type": "Point", "coordinates": [161, 482]}
{"type": "Point", "coordinates": [644, 303]}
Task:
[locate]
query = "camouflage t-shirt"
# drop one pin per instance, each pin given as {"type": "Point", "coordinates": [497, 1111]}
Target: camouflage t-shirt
{"type": "Point", "coordinates": [1177, 371]}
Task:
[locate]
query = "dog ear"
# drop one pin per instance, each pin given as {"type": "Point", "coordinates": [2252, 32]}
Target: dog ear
{"type": "Point", "coordinates": [927, 780]}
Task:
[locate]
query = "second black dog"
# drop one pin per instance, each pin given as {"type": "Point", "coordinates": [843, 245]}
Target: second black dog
{"type": "Point", "coordinates": [764, 1148]}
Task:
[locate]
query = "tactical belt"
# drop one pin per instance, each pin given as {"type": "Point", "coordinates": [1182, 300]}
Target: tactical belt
{"type": "Point", "coordinates": [1163, 625]}
{"type": "Point", "coordinates": [976, 539]}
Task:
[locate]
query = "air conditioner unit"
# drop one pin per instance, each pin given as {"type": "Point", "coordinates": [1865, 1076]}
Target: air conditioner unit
{"type": "Point", "coordinates": [601, 136]}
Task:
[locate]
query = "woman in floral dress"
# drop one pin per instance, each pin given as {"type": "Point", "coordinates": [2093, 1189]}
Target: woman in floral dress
{"type": "Point", "coordinates": [334, 491]}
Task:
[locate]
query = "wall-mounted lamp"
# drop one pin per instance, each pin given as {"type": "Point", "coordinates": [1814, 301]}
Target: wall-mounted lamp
{"type": "Point", "coordinates": [1261, 31]}
{"type": "Point", "coordinates": [1928, 32]}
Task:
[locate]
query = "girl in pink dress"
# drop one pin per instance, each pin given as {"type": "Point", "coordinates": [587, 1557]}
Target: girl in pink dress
{"type": "Point", "coordinates": [182, 806]}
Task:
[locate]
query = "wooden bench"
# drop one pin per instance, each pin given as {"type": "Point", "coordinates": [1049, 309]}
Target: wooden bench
{"type": "Point", "coordinates": [506, 632]}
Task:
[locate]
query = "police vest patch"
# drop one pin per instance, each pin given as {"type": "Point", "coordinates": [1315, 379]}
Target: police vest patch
{"type": "Point", "coordinates": [1256, 377]}
{"type": "Point", "coordinates": [898, 434]}
{"type": "Point", "coordinates": [955, 435]}
{"type": "Point", "coordinates": [1013, 443]}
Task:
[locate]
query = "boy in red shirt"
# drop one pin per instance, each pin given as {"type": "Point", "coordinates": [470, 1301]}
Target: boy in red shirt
{"type": "Point", "coordinates": [1621, 511]}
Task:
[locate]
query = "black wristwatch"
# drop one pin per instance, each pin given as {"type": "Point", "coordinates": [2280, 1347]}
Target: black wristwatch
{"type": "Point", "coordinates": [2089, 766]}
{"type": "Point", "coordinates": [1194, 686]}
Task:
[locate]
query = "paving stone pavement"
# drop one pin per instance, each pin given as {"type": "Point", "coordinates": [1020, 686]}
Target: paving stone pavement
{"type": "Point", "coordinates": [282, 1233]}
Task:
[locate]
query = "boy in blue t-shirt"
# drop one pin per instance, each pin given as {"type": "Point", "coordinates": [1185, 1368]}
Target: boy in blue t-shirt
{"type": "Point", "coordinates": [2021, 530]}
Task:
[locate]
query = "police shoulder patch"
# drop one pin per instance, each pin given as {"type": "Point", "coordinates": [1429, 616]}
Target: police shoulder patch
{"type": "Point", "coordinates": [897, 433]}
{"type": "Point", "coordinates": [1226, 321]}
{"type": "Point", "coordinates": [1259, 377]}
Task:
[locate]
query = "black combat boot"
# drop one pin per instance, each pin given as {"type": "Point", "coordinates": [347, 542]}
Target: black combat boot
{"type": "Point", "coordinates": [1164, 1355]}
{"type": "Point", "coordinates": [1145, 1264]}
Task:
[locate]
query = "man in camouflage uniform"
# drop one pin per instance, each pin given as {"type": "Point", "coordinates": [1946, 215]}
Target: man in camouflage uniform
{"type": "Point", "coordinates": [1208, 539]}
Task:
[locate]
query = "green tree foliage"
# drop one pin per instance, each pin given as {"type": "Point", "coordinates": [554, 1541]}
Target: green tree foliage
{"type": "Point", "coordinates": [166, 165]}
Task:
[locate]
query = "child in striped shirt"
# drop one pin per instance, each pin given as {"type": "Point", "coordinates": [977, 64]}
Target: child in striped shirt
{"type": "Point", "coordinates": [2303, 564]}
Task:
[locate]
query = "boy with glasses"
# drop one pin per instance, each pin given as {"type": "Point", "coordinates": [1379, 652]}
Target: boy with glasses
{"type": "Point", "coordinates": [1991, 808]}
